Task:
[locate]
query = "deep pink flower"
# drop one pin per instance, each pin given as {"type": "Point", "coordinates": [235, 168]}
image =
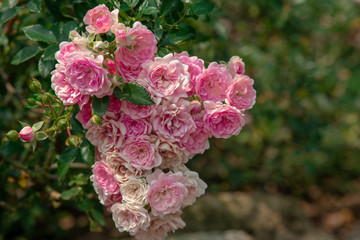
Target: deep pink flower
{"type": "Point", "coordinates": [27, 134]}
{"type": "Point", "coordinates": [167, 192]}
{"type": "Point", "coordinates": [100, 19]}
{"type": "Point", "coordinates": [241, 93]}
{"type": "Point", "coordinates": [222, 120]}
{"type": "Point", "coordinates": [213, 82]}
{"type": "Point", "coordinates": [135, 127]}
{"type": "Point", "coordinates": [104, 178]}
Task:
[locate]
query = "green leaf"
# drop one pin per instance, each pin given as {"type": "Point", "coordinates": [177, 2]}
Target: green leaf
{"type": "Point", "coordinates": [50, 51]}
{"type": "Point", "coordinates": [37, 126]}
{"type": "Point", "coordinates": [45, 66]}
{"type": "Point", "coordinates": [39, 33]}
{"type": "Point", "coordinates": [24, 124]}
{"type": "Point", "coordinates": [33, 144]}
{"type": "Point", "coordinates": [10, 13]}
{"type": "Point", "coordinates": [201, 8]}
{"type": "Point", "coordinates": [176, 38]}
{"type": "Point", "coordinates": [158, 31]}
{"type": "Point", "coordinates": [163, 52]}
{"type": "Point", "coordinates": [66, 158]}
{"type": "Point", "coordinates": [134, 93]}
{"type": "Point", "coordinates": [131, 3]}
{"type": "Point", "coordinates": [34, 6]}
{"type": "Point", "coordinates": [8, 4]}
{"type": "Point", "coordinates": [87, 152]}
{"type": "Point", "coordinates": [67, 28]}
{"type": "Point", "coordinates": [149, 7]}
{"type": "Point", "coordinates": [125, 7]}
{"type": "Point", "coordinates": [70, 193]}
{"type": "Point", "coordinates": [41, 136]}
{"type": "Point", "coordinates": [98, 216]}
{"type": "Point", "coordinates": [100, 105]}
{"type": "Point", "coordinates": [75, 124]}
{"type": "Point", "coordinates": [167, 6]}
{"type": "Point", "coordinates": [25, 54]}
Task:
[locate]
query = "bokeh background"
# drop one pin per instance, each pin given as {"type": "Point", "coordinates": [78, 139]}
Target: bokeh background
{"type": "Point", "coordinates": [294, 170]}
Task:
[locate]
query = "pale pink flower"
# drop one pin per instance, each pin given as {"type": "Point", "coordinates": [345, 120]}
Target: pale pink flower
{"type": "Point", "coordinates": [236, 66]}
{"type": "Point", "coordinates": [84, 115]}
{"type": "Point", "coordinates": [130, 218]}
{"type": "Point", "coordinates": [167, 192]}
{"type": "Point", "coordinates": [135, 191]}
{"type": "Point", "coordinates": [63, 89]}
{"type": "Point", "coordinates": [141, 153]}
{"type": "Point", "coordinates": [172, 154]}
{"type": "Point", "coordinates": [66, 48]}
{"type": "Point", "coordinates": [104, 178]}
{"type": "Point", "coordinates": [100, 19]}
{"type": "Point", "coordinates": [137, 111]}
{"type": "Point", "coordinates": [79, 41]}
{"type": "Point", "coordinates": [121, 166]}
{"type": "Point", "coordinates": [222, 120]}
{"type": "Point", "coordinates": [167, 77]}
{"type": "Point", "coordinates": [135, 127]}
{"type": "Point", "coordinates": [173, 121]}
{"type": "Point", "coordinates": [197, 141]}
{"type": "Point", "coordinates": [241, 93]}
{"type": "Point", "coordinates": [161, 226]}
{"type": "Point", "coordinates": [195, 186]}
{"type": "Point", "coordinates": [27, 134]}
{"type": "Point", "coordinates": [196, 66]}
{"type": "Point", "coordinates": [107, 137]}
{"type": "Point", "coordinates": [85, 73]}
{"type": "Point", "coordinates": [121, 34]}
{"type": "Point", "coordinates": [213, 82]}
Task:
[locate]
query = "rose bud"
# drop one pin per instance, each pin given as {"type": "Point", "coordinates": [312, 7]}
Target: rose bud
{"type": "Point", "coordinates": [12, 135]}
{"type": "Point", "coordinates": [27, 134]}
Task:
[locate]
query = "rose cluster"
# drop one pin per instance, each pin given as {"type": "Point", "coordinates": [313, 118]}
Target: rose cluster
{"type": "Point", "coordinates": [141, 149]}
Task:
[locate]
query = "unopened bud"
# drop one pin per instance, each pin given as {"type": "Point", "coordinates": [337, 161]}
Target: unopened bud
{"type": "Point", "coordinates": [12, 135]}
{"type": "Point", "coordinates": [96, 119]}
{"type": "Point", "coordinates": [31, 101]}
{"type": "Point", "coordinates": [27, 134]}
{"type": "Point", "coordinates": [35, 86]}
{"type": "Point", "coordinates": [73, 141]}
{"type": "Point", "coordinates": [62, 124]}
{"type": "Point", "coordinates": [46, 99]}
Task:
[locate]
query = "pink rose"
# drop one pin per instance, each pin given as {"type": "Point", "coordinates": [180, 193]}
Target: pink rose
{"type": "Point", "coordinates": [196, 66]}
{"type": "Point", "coordinates": [104, 178]}
{"type": "Point", "coordinates": [167, 77]}
{"type": "Point", "coordinates": [135, 127]}
{"type": "Point", "coordinates": [236, 66]}
{"type": "Point", "coordinates": [222, 120]}
{"type": "Point", "coordinates": [27, 134]}
{"type": "Point", "coordinates": [141, 49]}
{"type": "Point", "coordinates": [85, 73]}
{"type": "Point", "coordinates": [197, 141]}
{"type": "Point", "coordinates": [213, 82]}
{"type": "Point", "coordinates": [167, 192]}
{"type": "Point", "coordinates": [141, 153]}
{"type": "Point", "coordinates": [172, 154]}
{"type": "Point", "coordinates": [137, 111]}
{"type": "Point", "coordinates": [241, 93]}
{"type": "Point", "coordinates": [67, 94]}
{"type": "Point", "coordinates": [121, 166]}
{"type": "Point", "coordinates": [173, 120]}
{"type": "Point", "coordinates": [107, 137]}
{"type": "Point", "coordinates": [114, 109]}
{"type": "Point", "coordinates": [100, 19]}
{"type": "Point", "coordinates": [84, 115]}
{"type": "Point", "coordinates": [121, 34]}
{"type": "Point", "coordinates": [161, 226]}
{"type": "Point", "coordinates": [107, 200]}
{"type": "Point", "coordinates": [195, 186]}
{"type": "Point", "coordinates": [66, 48]}
{"type": "Point", "coordinates": [130, 218]}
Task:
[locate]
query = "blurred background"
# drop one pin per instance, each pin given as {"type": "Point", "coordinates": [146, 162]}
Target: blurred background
{"type": "Point", "coordinates": [294, 170]}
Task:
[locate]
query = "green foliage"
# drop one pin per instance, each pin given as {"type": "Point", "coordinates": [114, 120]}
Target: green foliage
{"type": "Point", "coordinates": [134, 93]}
{"type": "Point", "coordinates": [100, 105]}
